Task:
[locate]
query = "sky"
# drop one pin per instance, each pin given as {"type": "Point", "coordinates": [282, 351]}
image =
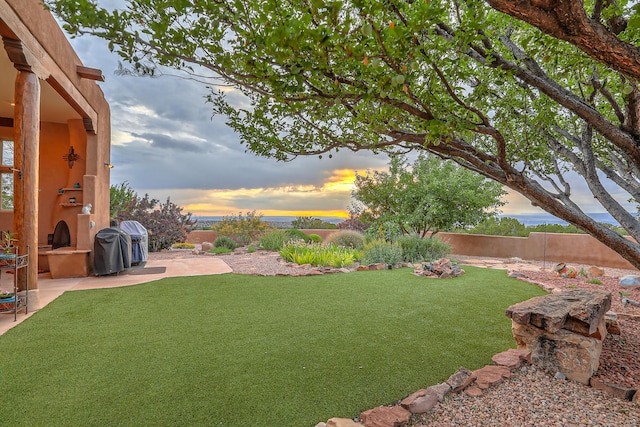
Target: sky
{"type": "Point", "coordinates": [166, 143]}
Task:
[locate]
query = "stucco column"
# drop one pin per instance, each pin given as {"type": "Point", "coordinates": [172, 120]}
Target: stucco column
{"type": "Point", "coordinates": [26, 164]}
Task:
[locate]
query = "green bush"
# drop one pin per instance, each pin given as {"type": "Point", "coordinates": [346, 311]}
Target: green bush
{"type": "Point", "coordinates": [315, 254]}
{"type": "Point", "coordinates": [251, 249]}
{"type": "Point", "coordinates": [347, 238]}
{"type": "Point", "coordinates": [416, 249]}
{"type": "Point", "coordinates": [244, 229]}
{"type": "Point", "coordinates": [225, 242]}
{"type": "Point", "coordinates": [307, 222]}
{"type": "Point", "coordinates": [381, 251]}
{"type": "Point", "coordinates": [315, 238]}
{"type": "Point", "coordinates": [387, 231]}
{"type": "Point", "coordinates": [295, 234]}
{"type": "Point", "coordinates": [273, 240]}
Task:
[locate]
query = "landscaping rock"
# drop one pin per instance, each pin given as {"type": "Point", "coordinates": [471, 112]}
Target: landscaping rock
{"type": "Point", "coordinates": [596, 271]}
{"type": "Point", "coordinates": [630, 282]}
{"type": "Point", "coordinates": [440, 390]}
{"type": "Point", "coordinates": [620, 392]}
{"type": "Point", "coordinates": [343, 422]}
{"type": "Point", "coordinates": [385, 416]}
{"type": "Point", "coordinates": [563, 331]}
{"type": "Point", "coordinates": [321, 425]}
{"type": "Point", "coordinates": [207, 246]}
{"type": "Point", "coordinates": [460, 379]}
{"type": "Point", "coordinates": [511, 358]}
{"type": "Point", "coordinates": [421, 401]}
{"type": "Point", "coordinates": [473, 391]}
{"type": "Point", "coordinates": [442, 268]}
{"type": "Point", "coordinates": [491, 375]}
{"type": "Point", "coordinates": [611, 320]}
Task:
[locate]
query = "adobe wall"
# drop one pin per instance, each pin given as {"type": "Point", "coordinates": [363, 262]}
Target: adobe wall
{"type": "Point", "coordinates": [550, 247]}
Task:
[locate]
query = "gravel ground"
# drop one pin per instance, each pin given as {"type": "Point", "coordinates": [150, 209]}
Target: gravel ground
{"type": "Point", "coordinates": [530, 397]}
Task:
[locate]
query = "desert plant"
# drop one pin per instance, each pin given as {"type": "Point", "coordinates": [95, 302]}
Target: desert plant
{"type": "Point", "coordinates": [273, 240]}
{"type": "Point", "coordinates": [301, 252]}
{"type": "Point", "coordinates": [347, 238]}
{"type": "Point", "coordinates": [243, 228]}
{"type": "Point", "coordinates": [165, 222]}
{"type": "Point", "coordinates": [594, 282]}
{"type": "Point", "coordinates": [377, 251]}
{"type": "Point", "coordinates": [183, 245]}
{"type": "Point", "coordinates": [295, 234]}
{"type": "Point", "coordinates": [315, 238]}
{"type": "Point", "coordinates": [251, 249]}
{"type": "Point", "coordinates": [415, 249]}
{"type": "Point", "coordinates": [387, 231]}
{"type": "Point", "coordinates": [225, 242]}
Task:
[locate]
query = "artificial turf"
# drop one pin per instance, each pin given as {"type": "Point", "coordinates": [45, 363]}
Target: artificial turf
{"type": "Point", "coordinates": [234, 351]}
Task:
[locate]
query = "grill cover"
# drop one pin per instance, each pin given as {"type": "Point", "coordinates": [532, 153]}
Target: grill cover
{"type": "Point", "coordinates": [111, 251]}
{"type": "Point", "coordinates": [139, 241]}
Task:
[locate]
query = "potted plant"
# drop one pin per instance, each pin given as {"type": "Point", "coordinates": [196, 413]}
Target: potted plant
{"type": "Point", "coordinates": [7, 246]}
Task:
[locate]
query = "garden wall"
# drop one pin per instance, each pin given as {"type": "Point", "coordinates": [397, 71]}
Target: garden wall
{"type": "Point", "coordinates": [550, 247]}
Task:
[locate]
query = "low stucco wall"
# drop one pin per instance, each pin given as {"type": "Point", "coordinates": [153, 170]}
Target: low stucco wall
{"type": "Point", "coordinates": [550, 247]}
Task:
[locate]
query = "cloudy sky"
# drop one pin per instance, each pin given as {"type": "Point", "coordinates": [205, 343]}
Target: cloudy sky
{"type": "Point", "coordinates": [166, 143]}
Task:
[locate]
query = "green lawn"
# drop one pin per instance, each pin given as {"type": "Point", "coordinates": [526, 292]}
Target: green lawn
{"type": "Point", "coordinates": [238, 351]}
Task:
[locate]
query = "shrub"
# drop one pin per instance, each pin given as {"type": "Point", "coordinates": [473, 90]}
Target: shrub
{"type": "Point", "coordinates": [315, 238]}
{"type": "Point", "coordinates": [165, 222]}
{"type": "Point", "coordinates": [244, 229]}
{"type": "Point", "coordinates": [387, 231]}
{"type": "Point", "coordinates": [347, 238]}
{"type": "Point", "coordinates": [381, 251]}
{"type": "Point", "coordinates": [315, 254]}
{"type": "Point", "coordinates": [295, 234]}
{"type": "Point", "coordinates": [273, 240]}
{"type": "Point", "coordinates": [183, 245]}
{"type": "Point", "coordinates": [225, 242]}
{"type": "Point", "coordinates": [415, 249]}
{"type": "Point", "coordinates": [594, 282]}
{"type": "Point", "coordinates": [251, 249]}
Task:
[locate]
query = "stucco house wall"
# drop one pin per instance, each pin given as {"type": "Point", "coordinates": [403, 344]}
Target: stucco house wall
{"type": "Point", "coordinates": [72, 112]}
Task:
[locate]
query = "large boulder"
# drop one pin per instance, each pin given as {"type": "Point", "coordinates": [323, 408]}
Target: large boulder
{"type": "Point", "coordinates": [630, 282]}
{"type": "Point", "coordinates": [564, 331]}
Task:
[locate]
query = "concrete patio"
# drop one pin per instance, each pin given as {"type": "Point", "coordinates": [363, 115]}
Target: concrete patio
{"type": "Point", "coordinates": [49, 289]}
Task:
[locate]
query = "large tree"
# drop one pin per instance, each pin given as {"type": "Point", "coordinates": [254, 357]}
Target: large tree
{"type": "Point", "coordinates": [456, 79]}
{"type": "Point", "coordinates": [427, 196]}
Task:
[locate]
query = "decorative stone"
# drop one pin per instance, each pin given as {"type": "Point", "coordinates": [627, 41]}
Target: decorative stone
{"type": "Point", "coordinates": [378, 266]}
{"type": "Point", "coordinates": [421, 403]}
{"type": "Point", "coordinates": [385, 416]}
{"type": "Point", "coordinates": [511, 358]}
{"type": "Point", "coordinates": [578, 310]}
{"type": "Point", "coordinates": [321, 425]}
{"type": "Point", "coordinates": [362, 268]}
{"type": "Point", "coordinates": [611, 321]}
{"type": "Point", "coordinates": [630, 282]}
{"type": "Point", "coordinates": [460, 379]}
{"type": "Point", "coordinates": [342, 422]}
{"type": "Point", "coordinates": [424, 400]}
{"type": "Point", "coordinates": [574, 355]}
{"type": "Point", "coordinates": [620, 392]}
{"type": "Point", "coordinates": [473, 391]}
{"type": "Point", "coordinates": [491, 375]}
{"type": "Point", "coordinates": [596, 271]}
{"type": "Point", "coordinates": [207, 246]}
{"type": "Point", "coordinates": [563, 331]}
{"type": "Point", "coordinates": [636, 397]}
